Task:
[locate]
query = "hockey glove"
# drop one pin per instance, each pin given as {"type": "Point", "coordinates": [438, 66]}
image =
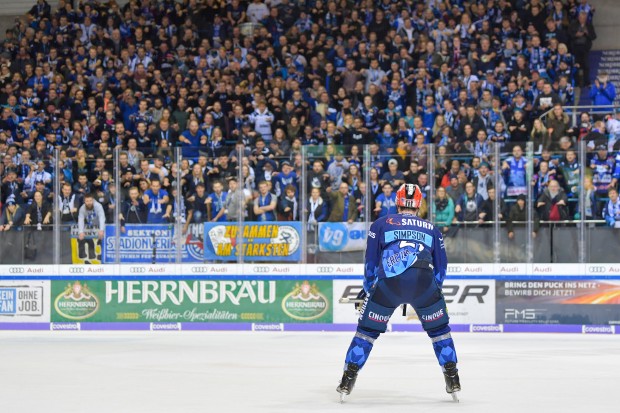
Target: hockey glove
{"type": "Point", "coordinates": [361, 296]}
{"type": "Point", "coordinates": [610, 221]}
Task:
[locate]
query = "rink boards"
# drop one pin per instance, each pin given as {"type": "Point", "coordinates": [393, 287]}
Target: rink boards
{"type": "Point", "coordinates": [481, 298]}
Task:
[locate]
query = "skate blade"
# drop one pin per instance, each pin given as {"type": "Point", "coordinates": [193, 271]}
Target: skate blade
{"type": "Point", "coordinates": [342, 398]}
{"type": "Point", "coordinates": [455, 397]}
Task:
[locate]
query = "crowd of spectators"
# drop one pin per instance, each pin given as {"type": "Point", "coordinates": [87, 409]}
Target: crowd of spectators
{"type": "Point", "coordinates": [242, 88]}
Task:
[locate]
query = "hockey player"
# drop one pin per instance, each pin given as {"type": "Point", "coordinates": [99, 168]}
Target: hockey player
{"type": "Point", "coordinates": [405, 264]}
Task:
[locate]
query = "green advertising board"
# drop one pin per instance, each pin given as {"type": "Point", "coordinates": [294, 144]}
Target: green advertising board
{"type": "Point", "coordinates": [183, 301]}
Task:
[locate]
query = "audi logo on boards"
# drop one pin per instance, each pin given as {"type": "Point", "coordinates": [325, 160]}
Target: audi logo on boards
{"type": "Point", "coordinates": [76, 270]}
{"type": "Point", "coordinates": [137, 270]}
{"type": "Point", "coordinates": [325, 270]}
{"type": "Point", "coordinates": [597, 269]}
{"type": "Point", "coordinates": [200, 270]}
{"type": "Point", "coordinates": [454, 269]}
{"type": "Point", "coordinates": [261, 270]}
{"type": "Point", "coordinates": [16, 270]}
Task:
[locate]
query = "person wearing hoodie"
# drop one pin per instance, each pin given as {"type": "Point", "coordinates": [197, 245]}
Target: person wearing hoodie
{"type": "Point", "coordinates": [518, 212]}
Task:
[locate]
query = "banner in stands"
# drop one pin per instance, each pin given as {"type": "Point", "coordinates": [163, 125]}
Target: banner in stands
{"type": "Point", "coordinates": [468, 301]}
{"type": "Point", "coordinates": [24, 301]}
{"type": "Point", "coordinates": [88, 250]}
{"type": "Point", "coordinates": [261, 241]}
{"type": "Point", "coordinates": [291, 301]}
{"type": "Point", "coordinates": [147, 243]}
{"type": "Point", "coordinates": [341, 236]}
{"type": "Point", "coordinates": [558, 302]}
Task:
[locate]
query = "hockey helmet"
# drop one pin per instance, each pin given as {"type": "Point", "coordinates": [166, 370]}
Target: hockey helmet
{"type": "Point", "coordinates": [409, 196]}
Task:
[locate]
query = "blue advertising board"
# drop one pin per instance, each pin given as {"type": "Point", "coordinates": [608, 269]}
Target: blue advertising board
{"type": "Point", "coordinates": [148, 243]}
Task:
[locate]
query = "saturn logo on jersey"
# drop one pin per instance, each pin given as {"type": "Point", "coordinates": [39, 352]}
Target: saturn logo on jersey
{"type": "Point", "coordinates": [433, 317]}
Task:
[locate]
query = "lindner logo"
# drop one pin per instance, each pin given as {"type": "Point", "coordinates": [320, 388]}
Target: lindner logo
{"type": "Point", "coordinates": [305, 302]}
{"type": "Point", "coordinates": [76, 302]}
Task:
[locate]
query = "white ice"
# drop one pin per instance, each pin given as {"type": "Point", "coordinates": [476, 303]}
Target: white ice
{"type": "Point", "coordinates": [178, 372]}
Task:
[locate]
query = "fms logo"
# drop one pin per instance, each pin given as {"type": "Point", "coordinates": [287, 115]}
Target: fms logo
{"type": "Point", "coordinates": [76, 302]}
{"type": "Point", "coordinates": [305, 302]}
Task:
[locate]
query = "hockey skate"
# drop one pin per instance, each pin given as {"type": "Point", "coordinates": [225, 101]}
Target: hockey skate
{"type": "Point", "coordinates": [348, 381]}
{"type": "Point", "coordinates": [453, 385]}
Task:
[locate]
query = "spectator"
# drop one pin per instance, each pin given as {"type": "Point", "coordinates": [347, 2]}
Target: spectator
{"type": "Point", "coordinates": [216, 211]}
{"type": "Point", "coordinates": [197, 206]}
{"type": "Point", "coordinates": [489, 207]}
{"type": "Point", "coordinates": [603, 170]}
{"type": "Point", "coordinates": [611, 212]}
{"type": "Point", "coordinates": [582, 34]}
{"type": "Point", "coordinates": [91, 216]}
{"type": "Point", "coordinates": [133, 210]}
{"type": "Point", "coordinates": [316, 209]}
{"type": "Point", "coordinates": [603, 92]}
{"type": "Point", "coordinates": [156, 200]}
{"type": "Point", "coordinates": [39, 213]}
{"type": "Point", "coordinates": [342, 205]}
{"type": "Point", "coordinates": [470, 206]}
{"type": "Point", "coordinates": [13, 216]}
{"type": "Point", "coordinates": [514, 172]}
{"type": "Point", "coordinates": [393, 176]}
{"type": "Point", "coordinates": [443, 212]}
{"type": "Point", "coordinates": [69, 204]}
{"type": "Point", "coordinates": [288, 208]}
{"type": "Point", "coordinates": [518, 213]}
{"type": "Point", "coordinates": [552, 204]}
{"type": "Point", "coordinates": [385, 203]}
{"type": "Point", "coordinates": [236, 201]}
{"type": "Point", "coordinates": [265, 203]}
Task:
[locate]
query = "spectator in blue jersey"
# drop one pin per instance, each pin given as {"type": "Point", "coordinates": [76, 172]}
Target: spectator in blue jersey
{"type": "Point", "coordinates": [156, 200]}
{"type": "Point", "coordinates": [514, 170]}
{"type": "Point", "coordinates": [603, 92]}
{"type": "Point", "coordinates": [286, 177]}
{"type": "Point", "coordinates": [191, 139]}
{"type": "Point", "coordinates": [265, 203]}
{"type": "Point", "coordinates": [611, 211]}
{"type": "Point", "coordinates": [385, 204]}
{"type": "Point", "coordinates": [470, 206]}
{"type": "Point", "coordinates": [603, 168]}
{"type": "Point", "coordinates": [215, 203]}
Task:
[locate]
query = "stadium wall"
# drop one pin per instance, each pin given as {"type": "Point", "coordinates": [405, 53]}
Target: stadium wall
{"type": "Point", "coordinates": [568, 298]}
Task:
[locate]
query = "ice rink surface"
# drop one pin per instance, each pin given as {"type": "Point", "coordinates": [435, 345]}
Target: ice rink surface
{"type": "Point", "coordinates": [177, 372]}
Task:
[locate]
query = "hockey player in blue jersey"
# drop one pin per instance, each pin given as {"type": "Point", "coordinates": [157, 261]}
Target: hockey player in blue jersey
{"type": "Point", "coordinates": [405, 264]}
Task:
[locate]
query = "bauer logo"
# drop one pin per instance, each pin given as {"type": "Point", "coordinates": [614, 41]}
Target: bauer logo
{"type": "Point", "coordinates": [305, 302]}
{"type": "Point", "coordinates": [76, 302]}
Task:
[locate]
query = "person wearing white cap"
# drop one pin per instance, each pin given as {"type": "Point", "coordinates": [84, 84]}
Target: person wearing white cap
{"type": "Point", "coordinates": [393, 175]}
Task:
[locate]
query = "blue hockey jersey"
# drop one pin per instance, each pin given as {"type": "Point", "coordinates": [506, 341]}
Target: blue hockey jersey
{"type": "Point", "coordinates": [398, 241]}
